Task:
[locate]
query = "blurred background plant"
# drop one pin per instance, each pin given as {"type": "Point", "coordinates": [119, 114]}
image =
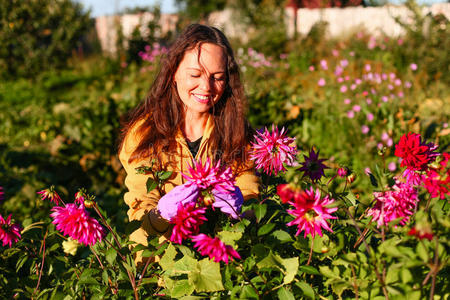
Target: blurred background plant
{"type": "Point", "coordinates": [62, 99]}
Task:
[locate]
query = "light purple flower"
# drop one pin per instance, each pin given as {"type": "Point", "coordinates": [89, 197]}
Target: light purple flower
{"type": "Point", "coordinates": [351, 114]}
{"type": "Point", "coordinates": [344, 63]}
{"type": "Point", "coordinates": [392, 166]}
{"type": "Point", "coordinates": [338, 71]}
{"type": "Point", "coordinates": [370, 117]}
{"type": "Point", "coordinates": [356, 108]}
{"type": "Point", "coordinates": [389, 142]}
{"type": "Point", "coordinates": [400, 94]}
{"type": "Point", "coordinates": [353, 87]}
{"type": "Point", "coordinates": [397, 82]}
{"type": "Point", "coordinates": [343, 89]}
{"type": "Point", "coordinates": [390, 87]}
{"type": "Point", "coordinates": [408, 84]}
{"type": "Point", "coordinates": [321, 82]}
{"type": "Point", "coordinates": [367, 67]}
{"type": "Point", "coordinates": [384, 99]}
{"type": "Point", "coordinates": [369, 101]}
{"type": "Point", "coordinates": [324, 64]}
{"type": "Point", "coordinates": [365, 129]}
{"type": "Point", "coordinates": [347, 101]}
{"type": "Point", "coordinates": [351, 53]}
{"type": "Point", "coordinates": [384, 136]}
{"type": "Point", "coordinates": [340, 79]}
{"type": "Point", "coordinates": [413, 66]}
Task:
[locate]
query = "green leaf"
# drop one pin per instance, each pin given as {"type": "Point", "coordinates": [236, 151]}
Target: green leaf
{"type": "Point", "coordinates": [164, 175]}
{"type": "Point", "coordinates": [265, 229]}
{"type": "Point", "coordinates": [248, 293]}
{"type": "Point", "coordinates": [422, 252]}
{"type": "Point", "coordinates": [20, 262]}
{"type": "Point", "coordinates": [306, 289]}
{"type": "Point", "coordinates": [111, 255]}
{"type": "Point", "coordinates": [207, 278]}
{"type": "Point", "coordinates": [151, 184]}
{"type": "Point", "coordinates": [284, 294]}
{"type": "Point", "coordinates": [326, 271]}
{"type": "Point", "coordinates": [230, 237]}
{"type": "Point", "coordinates": [185, 265]}
{"type": "Point", "coordinates": [168, 259]}
{"type": "Point", "coordinates": [260, 211]}
{"type": "Point", "coordinates": [270, 261]}
{"type": "Point", "coordinates": [373, 180]}
{"type": "Point", "coordinates": [282, 236]}
{"type": "Point", "coordinates": [309, 270]}
{"type": "Point", "coordinates": [181, 288]}
{"type": "Point", "coordinates": [291, 267]}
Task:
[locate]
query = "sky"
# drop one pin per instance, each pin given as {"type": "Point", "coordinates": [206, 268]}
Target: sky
{"type": "Point", "coordinates": [109, 7]}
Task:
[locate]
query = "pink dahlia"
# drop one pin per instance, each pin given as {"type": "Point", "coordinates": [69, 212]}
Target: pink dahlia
{"type": "Point", "coordinates": [415, 153]}
{"type": "Point", "coordinates": [9, 233]}
{"type": "Point", "coordinates": [399, 202]}
{"type": "Point", "coordinates": [272, 150]}
{"type": "Point", "coordinates": [313, 166]}
{"type": "Point", "coordinates": [210, 176]}
{"type": "Point", "coordinates": [311, 212]}
{"type": "Point", "coordinates": [80, 196]}
{"type": "Point", "coordinates": [74, 221]}
{"type": "Point", "coordinates": [437, 180]}
{"type": "Point", "coordinates": [187, 221]}
{"type": "Point", "coordinates": [214, 248]}
{"type": "Point", "coordinates": [51, 194]}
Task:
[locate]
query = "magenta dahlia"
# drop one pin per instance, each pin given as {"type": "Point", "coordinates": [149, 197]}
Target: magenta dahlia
{"type": "Point", "coordinates": [9, 233]}
{"type": "Point", "coordinates": [311, 212]}
{"type": "Point", "coordinates": [74, 221]}
{"type": "Point", "coordinates": [415, 153]}
{"type": "Point", "coordinates": [272, 150]}
{"type": "Point", "coordinates": [51, 194]}
{"type": "Point", "coordinates": [187, 221]}
{"type": "Point", "coordinates": [437, 180]}
{"type": "Point", "coordinates": [210, 176]}
{"type": "Point", "coordinates": [399, 202]}
{"type": "Point", "coordinates": [313, 166]}
{"type": "Point", "coordinates": [214, 248]}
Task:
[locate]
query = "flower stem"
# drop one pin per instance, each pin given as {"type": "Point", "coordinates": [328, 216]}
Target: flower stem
{"type": "Point", "coordinates": [310, 252]}
{"type": "Point", "coordinates": [42, 262]}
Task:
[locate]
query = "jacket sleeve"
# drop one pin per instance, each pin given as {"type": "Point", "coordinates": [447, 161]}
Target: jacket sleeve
{"type": "Point", "coordinates": [142, 205]}
{"type": "Point", "coordinates": [249, 183]}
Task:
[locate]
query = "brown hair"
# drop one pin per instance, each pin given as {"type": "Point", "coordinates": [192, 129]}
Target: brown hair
{"type": "Point", "coordinates": [161, 113]}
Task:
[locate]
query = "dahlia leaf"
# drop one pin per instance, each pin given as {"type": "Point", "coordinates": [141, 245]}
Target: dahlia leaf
{"type": "Point", "coordinates": [306, 289]}
{"type": "Point", "coordinates": [230, 237]}
{"type": "Point", "coordinates": [260, 211]}
{"type": "Point", "coordinates": [291, 266]}
{"type": "Point", "coordinates": [168, 259]}
{"type": "Point", "coordinates": [265, 229]}
{"type": "Point", "coordinates": [151, 185]}
{"type": "Point", "coordinates": [164, 175]}
{"type": "Point", "coordinates": [282, 236]}
{"type": "Point", "coordinates": [309, 270]}
{"type": "Point", "coordinates": [284, 294]}
{"type": "Point", "coordinates": [208, 277]}
{"type": "Point", "coordinates": [111, 255]}
{"type": "Point", "coordinates": [182, 288]}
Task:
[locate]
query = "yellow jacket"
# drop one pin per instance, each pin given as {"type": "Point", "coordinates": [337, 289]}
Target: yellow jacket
{"type": "Point", "coordinates": [143, 205]}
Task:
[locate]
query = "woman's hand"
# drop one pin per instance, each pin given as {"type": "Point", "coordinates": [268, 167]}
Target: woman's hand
{"type": "Point", "coordinates": [168, 204]}
{"type": "Point", "coordinates": [229, 203]}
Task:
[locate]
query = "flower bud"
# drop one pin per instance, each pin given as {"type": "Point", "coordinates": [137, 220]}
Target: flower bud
{"type": "Point", "coordinates": [351, 178]}
{"type": "Point", "coordinates": [208, 199]}
{"type": "Point", "coordinates": [382, 151]}
{"type": "Point", "coordinates": [342, 172]}
{"type": "Point", "coordinates": [88, 203]}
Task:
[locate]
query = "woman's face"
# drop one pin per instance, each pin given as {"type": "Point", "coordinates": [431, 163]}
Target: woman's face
{"type": "Point", "coordinates": [201, 81]}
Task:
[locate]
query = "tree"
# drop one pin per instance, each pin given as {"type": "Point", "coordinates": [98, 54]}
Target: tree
{"type": "Point", "coordinates": [39, 34]}
{"type": "Point", "coordinates": [200, 9]}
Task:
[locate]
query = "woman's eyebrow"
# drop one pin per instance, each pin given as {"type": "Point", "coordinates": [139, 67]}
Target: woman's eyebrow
{"type": "Point", "coordinates": [199, 69]}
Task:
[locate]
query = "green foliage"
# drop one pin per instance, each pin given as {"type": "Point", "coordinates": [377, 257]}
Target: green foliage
{"type": "Point", "coordinates": [38, 35]}
{"type": "Point", "coordinates": [198, 10]}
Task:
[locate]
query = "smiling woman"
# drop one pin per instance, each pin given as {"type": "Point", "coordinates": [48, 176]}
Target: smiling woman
{"type": "Point", "coordinates": [195, 110]}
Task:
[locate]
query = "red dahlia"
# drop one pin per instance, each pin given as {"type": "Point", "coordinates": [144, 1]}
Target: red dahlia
{"type": "Point", "coordinates": [415, 153]}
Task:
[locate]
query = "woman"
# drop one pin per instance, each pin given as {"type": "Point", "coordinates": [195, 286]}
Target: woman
{"type": "Point", "coordinates": [194, 110]}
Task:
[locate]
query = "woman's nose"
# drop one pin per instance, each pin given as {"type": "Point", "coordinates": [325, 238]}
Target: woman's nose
{"type": "Point", "coordinates": [206, 83]}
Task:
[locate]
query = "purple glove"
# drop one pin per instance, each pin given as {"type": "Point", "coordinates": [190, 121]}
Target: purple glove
{"type": "Point", "coordinates": [229, 203]}
{"type": "Point", "coordinates": [168, 204]}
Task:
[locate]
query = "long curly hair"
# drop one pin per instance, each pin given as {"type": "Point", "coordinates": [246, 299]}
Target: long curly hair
{"type": "Point", "coordinates": [161, 114]}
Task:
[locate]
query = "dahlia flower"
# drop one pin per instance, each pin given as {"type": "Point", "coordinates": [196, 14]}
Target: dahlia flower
{"type": "Point", "coordinates": [415, 153]}
{"type": "Point", "coordinates": [272, 150]}
{"type": "Point", "coordinates": [421, 233]}
{"type": "Point", "coordinates": [437, 180]}
{"type": "Point", "coordinates": [393, 204]}
{"type": "Point", "coordinates": [9, 233]}
{"type": "Point", "coordinates": [187, 221]}
{"type": "Point", "coordinates": [311, 212]}
{"type": "Point", "coordinates": [168, 204]}
{"type": "Point", "coordinates": [80, 196]}
{"type": "Point", "coordinates": [313, 166]}
{"type": "Point", "coordinates": [74, 221]}
{"type": "Point", "coordinates": [51, 194]}
{"type": "Point", "coordinates": [210, 176]}
{"type": "Point", "coordinates": [214, 248]}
